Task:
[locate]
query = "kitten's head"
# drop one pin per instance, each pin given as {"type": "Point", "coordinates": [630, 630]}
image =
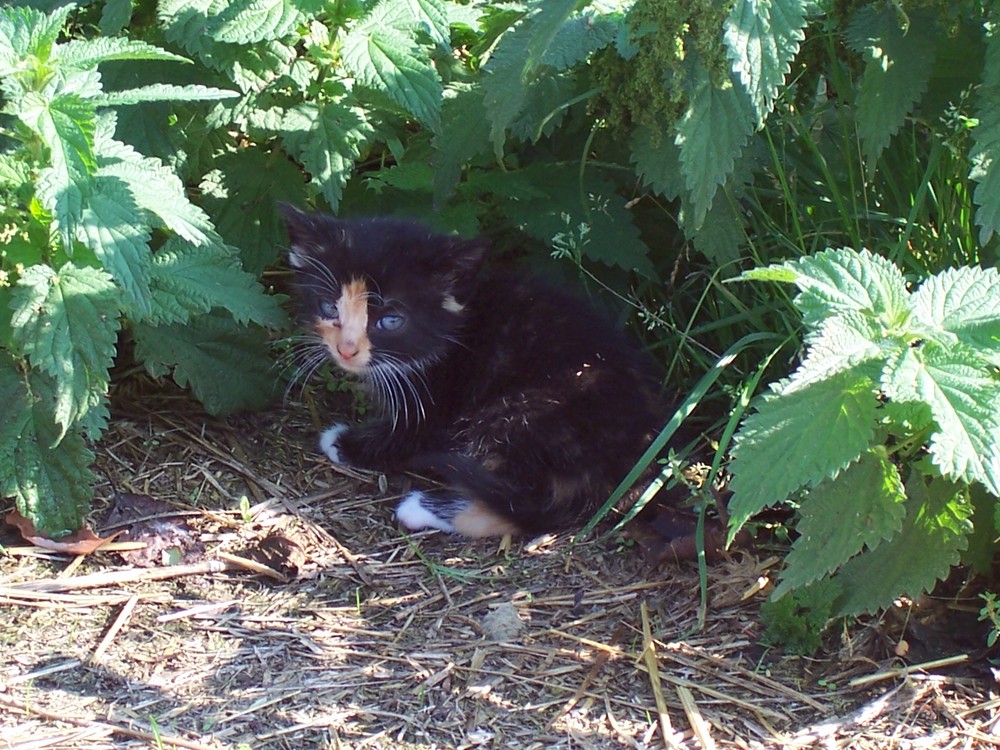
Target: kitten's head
{"type": "Point", "coordinates": [381, 294]}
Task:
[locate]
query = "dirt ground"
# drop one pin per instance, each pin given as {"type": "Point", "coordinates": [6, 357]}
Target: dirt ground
{"type": "Point", "coordinates": [279, 606]}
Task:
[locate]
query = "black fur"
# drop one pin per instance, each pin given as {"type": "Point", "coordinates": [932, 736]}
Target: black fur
{"type": "Point", "coordinates": [526, 398]}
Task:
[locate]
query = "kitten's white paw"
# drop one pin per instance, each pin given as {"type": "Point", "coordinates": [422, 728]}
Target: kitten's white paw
{"type": "Point", "coordinates": [413, 514]}
{"type": "Point", "coordinates": [328, 443]}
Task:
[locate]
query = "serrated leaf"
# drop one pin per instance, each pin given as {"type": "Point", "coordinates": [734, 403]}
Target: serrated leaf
{"type": "Point", "coordinates": [710, 135]}
{"type": "Point", "coordinates": [50, 478]}
{"type": "Point", "coordinates": [578, 37]}
{"type": "Point", "coordinates": [155, 189]}
{"type": "Point", "coordinates": [544, 23]}
{"type": "Point", "coordinates": [83, 54]}
{"type": "Point", "coordinates": [162, 92]}
{"type": "Point", "coordinates": [65, 124]}
{"type": "Point", "coordinates": [963, 302]}
{"type": "Point", "coordinates": [430, 16]}
{"type": "Point", "coordinates": [843, 280]}
{"type": "Point", "coordinates": [327, 137]}
{"type": "Point", "coordinates": [66, 323]}
{"type": "Point", "coordinates": [464, 132]}
{"type": "Point", "coordinates": [239, 194]}
{"type": "Point", "coordinates": [985, 152]}
{"type": "Point", "coordinates": [929, 543]}
{"type": "Point", "coordinates": [250, 67]}
{"type": "Point", "coordinates": [194, 280]}
{"type": "Point", "coordinates": [762, 37]}
{"type": "Point", "coordinates": [963, 399]}
{"type": "Point", "coordinates": [115, 16]}
{"type": "Point", "coordinates": [840, 518]}
{"type": "Point", "coordinates": [841, 343]}
{"type": "Point", "coordinates": [545, 203]}
{"type": "Point", "coordinates": [898, 68]}
{"type": "Point", "coordinates": [225, 365]}
{"type": "Point", "coordinates": [503, 84]}
{"type": "Point", "coordinates": [799, 439]}
{"type": "Point", "coordinates": [251, 21]}
{"type": "Point", "coordinates": [113, 226]}
{"type": "Point", "coordinates": [27, 33]}
{"type": "Point", "coordinates": [657, 160]}
{"type": "Point", "coordinates": [389, 61]}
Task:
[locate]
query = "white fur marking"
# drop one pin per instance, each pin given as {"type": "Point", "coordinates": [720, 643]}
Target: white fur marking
{"type": "Point", "coordinates": [413, 515]}
{"type": "Point", "coordinates": [297, 257]}
{"type": "Point", "coordinates": [451, 304]}
{"type": "Point", "coordinates": [328, 442]}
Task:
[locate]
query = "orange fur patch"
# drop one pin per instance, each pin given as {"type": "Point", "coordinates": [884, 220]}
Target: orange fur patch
{"type": "Point", "coordinates": [479, 521]}
{"type": "Point", "coordinates": [347, 339]}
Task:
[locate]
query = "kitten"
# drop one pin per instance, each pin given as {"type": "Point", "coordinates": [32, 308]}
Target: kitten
{"type": "Point", "coordinates": [526, 403]}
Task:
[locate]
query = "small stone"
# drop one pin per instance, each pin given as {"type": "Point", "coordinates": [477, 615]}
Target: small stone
{"type": "Point", "coordinates": [502, 623]}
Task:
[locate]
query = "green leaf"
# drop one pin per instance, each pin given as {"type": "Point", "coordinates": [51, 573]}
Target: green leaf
{"type": "Point", "coordinates": [239, 194]}
{"type": "Point", "coordinates": [980, 552]}
{"type": "Point", "coordinates": [545, 24]}
{"type": "Point", "coordinates": [389, 60]}
{"type": "Point", "coordinates": [252, 21]}
{"type": "Point", "coordinates": [504, 85]}
{"type": "Point", "coordinates": [963, 398]}
{"type": "Point", "coordinates": [657, 160]}
{"type": "Point", "coordinates": [50, 478]}
{"type": "Point", "coordinates": [840, 518]}
{"type": "Point", "coordinates": [577, 38]}
{"type": "Point", "coordinates": [156, 190]}
{"type": "Point", "coordinates": [985, 152]}
{"type": "Point", "coordinates": [762, 37]}
{"type": "Point", "coordinates": [710, 135]}
{"type": "Point", "coordinates": [545, 202]}
{"type": "Point", "coordinates": [162, 92]}
{"type": "Point", "coordinates": [226, 365]}
{"type": "Point", "coordinates": [113, 226]}
{"type": "Point", "coordinates": [843, 280]}
{"type": "Point", "coordinates": [327, 137]}
{"type": "Point", "coordinates": [66, 323]}
{"type": "Point", "coordinates": [463, 134]}
{"type": "Point", "coordinates": [26, 33]}
{"type": "Point", "coordinates": [430, 16]}
{"type": "Point", "coordinates": [251, 67]}
{"type": "Point", "coordinates": [188, 280]}
{"type": "Point", "coordinates": [84, 54]}
{"type": "Point", "coordinates": [841, 343]}
{"type": "Point", "coordinates": [115, 17]}
{"type": "Point", "coordinates": [798, 439]}
{"type": "Point", "coordinates": [929, 543]}
{"type": "Point", "coordinates": [65, 124]}
{"type": "Point", "coordinates": [898, 68]}
{"type": "Point", "coordinates": [963, 302]}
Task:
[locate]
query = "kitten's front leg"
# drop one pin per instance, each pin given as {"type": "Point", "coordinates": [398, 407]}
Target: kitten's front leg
{"type": "Point", "coordinates": [374, 446]}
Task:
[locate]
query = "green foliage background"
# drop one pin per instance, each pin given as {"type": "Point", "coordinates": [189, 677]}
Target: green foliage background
{"type": "Point", "coordinates": [651, 148]}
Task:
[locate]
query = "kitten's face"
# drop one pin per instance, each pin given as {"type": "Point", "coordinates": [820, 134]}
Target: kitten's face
{"type": "Point", "coordinates": [382, 295]}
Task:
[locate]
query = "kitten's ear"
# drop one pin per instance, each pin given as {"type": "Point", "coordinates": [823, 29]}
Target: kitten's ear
{"type": "Point", "coordinates": [308, 233]}
{"type": "Point", "coordinates": [467, 257]}
{"type": "Point", "coordinates": [301, 233]}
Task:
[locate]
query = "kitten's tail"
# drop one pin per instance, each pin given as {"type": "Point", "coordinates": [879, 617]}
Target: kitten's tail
{"type": "Point", "coordinates": [475, 504]}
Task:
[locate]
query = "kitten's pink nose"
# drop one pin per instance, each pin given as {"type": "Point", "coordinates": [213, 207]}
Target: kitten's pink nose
{"type": "Point", "coordinates": [347, 349]}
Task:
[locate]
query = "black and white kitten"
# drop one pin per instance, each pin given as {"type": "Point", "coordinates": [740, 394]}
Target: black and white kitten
{"type": "Point", "coordinates": [523, 400]}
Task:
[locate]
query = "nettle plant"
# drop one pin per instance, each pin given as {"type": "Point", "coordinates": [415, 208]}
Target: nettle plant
{"type": "Point", "coordinates": [886, 437]}
{"type": "Point", "coordinates": [81, 213]}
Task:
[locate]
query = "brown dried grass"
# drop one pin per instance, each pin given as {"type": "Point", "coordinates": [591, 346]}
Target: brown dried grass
{"type": "Point", "coordinates": [384, 640]}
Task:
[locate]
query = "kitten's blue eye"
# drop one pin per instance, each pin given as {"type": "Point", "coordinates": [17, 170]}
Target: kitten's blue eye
{"type": "Point", "coordinates": [390, 322]}
{"type": "Point", "coordinates": [328, 310]}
